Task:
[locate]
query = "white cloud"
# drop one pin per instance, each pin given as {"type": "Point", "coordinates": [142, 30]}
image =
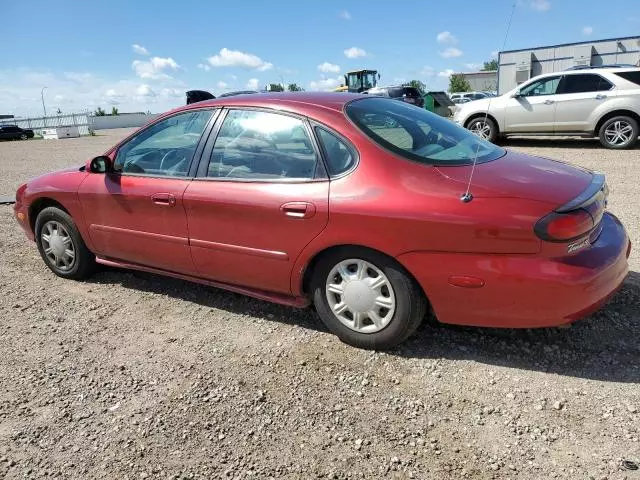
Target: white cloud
{"type": "Point", "coordinates": [494, 54]}
{"type": "Point", "coordinates": [253, 83]}
{"type": "Point", "coordinates": [446, 38]}
{"type": "Point", "coordinates": [355, 52]}
{"type": "Point", "coordinates": [113, 97]}
{"type": "Point", "coordinates": [540, 5]}
{"type": "Point", "coordinates": [204, 66]}
{"type": "Point", "coordinates": [172, 92]}
{"type": "Point", "coordinates": [233, 77]}
{"type": "Point", "coordinates": [446, 73]}
{"type": "Point", "coordinates": [428, 71]}
{"type": "Point", "coordinates": [344, 15]}
{"type": "Point", "coordinates": [154, 68]}
{"type": "Point", "coordinates": [586, 31]}
{"type": "Point", "coordinates": [75, 92]}
{"type": "Point", "coordinates": [139, 49]}
{"type": "Point", "coordinates": [222, 84]}
{"type": "Point", "coordinates": [327, 67]}
{"type": "Point", "coordinates": [235, 58]}
{"type": "Point", "coordinates": [325, 83]}
{"type": "Point", "coordinates": [145, 90]}
{"type": "Point", "coordinates": [473, 66]}
{"type": "Point", "coordinates": [451, 52]}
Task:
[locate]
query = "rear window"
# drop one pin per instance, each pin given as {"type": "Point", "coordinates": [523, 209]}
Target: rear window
{"type": "Point", "coordinates": [633, 77]}
{"type": "Point", "coordinates": [417, 134]}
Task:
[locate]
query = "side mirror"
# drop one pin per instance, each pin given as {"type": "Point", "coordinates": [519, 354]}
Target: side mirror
{"type": "Point", "coordinates": [518, 94]}
{"type": "Point", "coordinates": [100, 164]}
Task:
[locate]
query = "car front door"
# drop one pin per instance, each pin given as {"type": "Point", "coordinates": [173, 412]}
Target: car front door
{"type": "Point", "coordinates": [533, 108]}
{"type": "Point", "coordinates": [135, 212]}
{"type": "Point", "coordinates": [260, 196]}
{"type": "Point", "coordinates": [578, 96]}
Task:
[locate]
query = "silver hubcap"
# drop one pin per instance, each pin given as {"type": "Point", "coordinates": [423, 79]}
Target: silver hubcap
{"type": "Point", "coordinates": [481, 129]}
{"type": "Point", "coordinates": [618, 133]}
{"type": "Point", "coordinates": [360, 296]}
{"type": "Point", "coordinates": [58, 246]}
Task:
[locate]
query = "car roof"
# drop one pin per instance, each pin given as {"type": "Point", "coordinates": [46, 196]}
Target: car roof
{"type": "Point", "coordinates": [582, 71]}
{"type": "Point", "coordinates": [296, 102]}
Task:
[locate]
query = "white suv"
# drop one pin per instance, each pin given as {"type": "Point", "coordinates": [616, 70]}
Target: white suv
{"type": "Point", "coordinates": [603, 102]}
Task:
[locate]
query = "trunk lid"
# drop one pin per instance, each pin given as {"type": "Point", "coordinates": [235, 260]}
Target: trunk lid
{"type": "Point", "coordinates": [517, 175]}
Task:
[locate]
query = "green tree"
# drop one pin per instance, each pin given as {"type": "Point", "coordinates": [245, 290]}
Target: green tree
{"type": "Point", "coordinates": [416, 84]}
{"type": "Point", "coordinates": [114, 111]}
{"type": "Point", "coordinates": [275, 87]}
{"type": "Point", "coordinates": [490, 66]}
{"type": "Point", "coordinates": [294, 87]}
{"type": "Point", "coordinates": [457, 83]}
{"type": "Point", "coordinates": [99, 112]}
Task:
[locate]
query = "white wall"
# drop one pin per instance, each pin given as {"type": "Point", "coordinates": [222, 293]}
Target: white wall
{"type": "Point", "coordinates": [121, 121]}
{"type": "Point", "coordinates": [560, 57]}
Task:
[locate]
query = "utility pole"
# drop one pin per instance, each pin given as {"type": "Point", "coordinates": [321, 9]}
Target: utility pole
{"type": "Point", "coordinates": [44, 120]}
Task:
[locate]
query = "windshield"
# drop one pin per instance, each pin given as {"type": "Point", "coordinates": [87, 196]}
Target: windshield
{"type": "Point", "coordinates": [417, 134]}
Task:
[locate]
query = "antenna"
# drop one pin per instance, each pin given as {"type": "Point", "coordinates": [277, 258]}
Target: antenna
{"type": "Point", "coordinates": [466, 197]}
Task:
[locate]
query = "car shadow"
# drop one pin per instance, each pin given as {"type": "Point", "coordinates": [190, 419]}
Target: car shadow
{"type": "Point", "coordinates": [554, 142]}
{"type": "Point", "coordinates": [601, 347]}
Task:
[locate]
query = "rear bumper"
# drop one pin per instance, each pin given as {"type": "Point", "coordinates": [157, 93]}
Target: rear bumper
{"type": "Point", "coordinates": [523, 291]}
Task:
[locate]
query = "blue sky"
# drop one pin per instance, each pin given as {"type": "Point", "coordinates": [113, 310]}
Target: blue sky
{"type": "Point", "coordinates": [144, 55]}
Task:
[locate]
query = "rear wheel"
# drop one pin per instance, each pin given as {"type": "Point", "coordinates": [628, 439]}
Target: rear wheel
{"type": "Point", "coordinates": [483, 128]}
{"type": "Point", "coordinates": [61, 246]}
{"type": "Point", "coordinates": [367, 299]}
{"type": "Point", "coordinates": [619, 133]}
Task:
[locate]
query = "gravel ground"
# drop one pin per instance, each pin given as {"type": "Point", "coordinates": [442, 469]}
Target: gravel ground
{"type": "Point", "coordinates": [135, 376]}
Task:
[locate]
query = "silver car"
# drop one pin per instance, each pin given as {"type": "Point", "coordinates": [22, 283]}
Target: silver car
{"type": "Point", "coordinates": [602, 103]}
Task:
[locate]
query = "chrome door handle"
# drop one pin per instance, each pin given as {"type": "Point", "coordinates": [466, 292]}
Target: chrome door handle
{"type": "Point", "coordinates": [298, 209]}
{"type": "Point", "coordinates": [165, 199]}
{"type": "Point", "coordinates": [548, 102]}
{"type": "Point", "coordinates": [600, 97]}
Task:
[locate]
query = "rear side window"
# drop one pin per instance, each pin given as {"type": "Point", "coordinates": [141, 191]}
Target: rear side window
{"type": "Point", "coordinates": [585, 82]}
{"type": "Point", "coordinates": [411, 92]}
{"type": "Point", "coordinates": [340, 157]}
{"type": "Point", "coordinates": [633, 77]}
{"type": "Point", "coordinates": [256, 145]}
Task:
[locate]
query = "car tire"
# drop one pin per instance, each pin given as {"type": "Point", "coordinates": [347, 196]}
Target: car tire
{"type": "Point", "coordinates": [56, 236]}
{"type": "Point", "coordinates": [399, 303]}
{"type": "Point", "coordinates": [24, 137]}
{"type": "Point", "coordinates": [484, 128]}
{"type": "Point", "coordinates": [619, 133]}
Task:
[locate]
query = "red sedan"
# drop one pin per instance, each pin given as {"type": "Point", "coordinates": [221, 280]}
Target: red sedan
{"type": "Point", "coordinates": [356, 204]}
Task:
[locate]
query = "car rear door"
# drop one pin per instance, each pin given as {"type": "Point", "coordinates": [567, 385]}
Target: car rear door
{"type": "Point", "coordinates": [578, 96]}
{"type": "Point", "coordinates": [135, 213]}
{"type": "Point", "coordinates": [260, 196]}
{"type": "Point", "coordinates": [533, 109]}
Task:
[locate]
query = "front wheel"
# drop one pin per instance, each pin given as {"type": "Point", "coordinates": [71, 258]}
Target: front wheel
{"type": "Point", "coordinates": [619, 133]}
{"type": "Point", "coordinates": [483, 127]}
{"type": "Point", "coordinates": [367, 299]}
{"type": "Point", "coordinates": [61, 246]}
{"type": "Point", "coordinates": [24, 137]}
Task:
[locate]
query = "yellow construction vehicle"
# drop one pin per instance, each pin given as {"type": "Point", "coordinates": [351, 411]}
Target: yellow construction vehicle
{"type": "Point", "coordinates": [358, 81]}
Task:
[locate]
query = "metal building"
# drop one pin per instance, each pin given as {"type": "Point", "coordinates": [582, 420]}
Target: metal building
{"type": "Point", "coordinates": [482, 81]}
{"type": "Point", "coordinates": [518, 66]}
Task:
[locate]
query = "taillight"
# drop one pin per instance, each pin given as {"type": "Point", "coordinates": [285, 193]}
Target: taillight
{"type": "Point", "coordinates": [562, 227]}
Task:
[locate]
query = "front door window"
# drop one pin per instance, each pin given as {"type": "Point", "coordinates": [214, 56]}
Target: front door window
{"type": "Point", "coordinates": [164, 149]}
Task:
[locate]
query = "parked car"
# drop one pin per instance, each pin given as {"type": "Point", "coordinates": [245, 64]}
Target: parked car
{"type": "Point", "coordinates": [350, 202]}
{"type": "Point", "coordinates": [469, 96]}
{"type": "Point", "coordinates": [603, 103]}
{"type": "Point", "coordinates": [13, 132]}
{"type": "Point", "coordinates": [406, 94]}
